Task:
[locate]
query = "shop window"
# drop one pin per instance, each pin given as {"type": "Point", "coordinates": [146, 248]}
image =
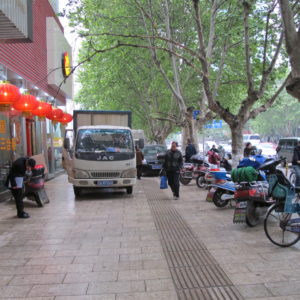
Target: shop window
{"type": "Point", "coordinates": [50, 154]}
{"type": "Point", "coordinates": [57, 145]}
{"type": "Point", "coordinates": [6, 147]}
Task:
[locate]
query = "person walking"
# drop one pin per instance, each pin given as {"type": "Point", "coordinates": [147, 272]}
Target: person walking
{"type": "Point", "coordinates": [15, 182]}
{"type": "Point", "coordinates": [190, 150]}
{"type": "Point", "coordinates": [172, 165]}
{"type": "Point", "coordinates": [139, 162]}
{"type": "Point", "coordinates": [296, 164]}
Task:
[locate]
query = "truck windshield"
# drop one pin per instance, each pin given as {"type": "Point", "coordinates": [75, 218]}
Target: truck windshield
{"type": "Point", "coordinates": [104, 140]}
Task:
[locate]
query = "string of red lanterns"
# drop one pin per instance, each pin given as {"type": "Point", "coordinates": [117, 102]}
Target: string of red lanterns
{"type": "Point", "coordinates": [13, 102]}
{"type": "Point", "coordinates": [42, 110]}
{"type": "Point", "coordinates": [55, 114]}
{"type": "Point", "coordinates": [67, 118]}
{"type": "Point", "coordinates": [26, 103]}
{"type": "Point", "coordinates": [9, 94]}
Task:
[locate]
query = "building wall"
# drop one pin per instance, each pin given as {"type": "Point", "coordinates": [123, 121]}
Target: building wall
{"type": "Point", "coordinates": [55, 6]}
{"type": "Point", "coordinates": [29, 60]}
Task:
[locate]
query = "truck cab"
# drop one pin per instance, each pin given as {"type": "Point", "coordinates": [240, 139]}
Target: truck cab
{"type": "Point", "coordinates": [100, 156]}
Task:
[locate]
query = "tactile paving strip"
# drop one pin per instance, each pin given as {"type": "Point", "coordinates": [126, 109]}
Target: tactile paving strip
{"type": "Point", "coordinates": [195, 272]}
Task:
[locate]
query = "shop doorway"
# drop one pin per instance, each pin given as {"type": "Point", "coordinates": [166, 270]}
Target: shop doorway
{"type": "Point", "coordinates": [29, 136]}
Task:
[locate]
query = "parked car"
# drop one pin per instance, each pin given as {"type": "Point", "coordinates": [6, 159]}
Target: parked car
{"type": "Point", "coordinates": [253, 138]}
{"type": "Point", "coordinates": [151, 165]}
{"type": "Point", "coordinates": [268, 150]}
{"type": "Point", "coordinates": [227, 147]}
{"type": "Point", "coordinates": [286, 147]}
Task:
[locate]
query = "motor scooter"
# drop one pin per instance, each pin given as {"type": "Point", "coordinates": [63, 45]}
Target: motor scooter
{"type": "Point", "coordinates": [34, 186]}
{"type": "Point", "coordinates": [221, 187]}
{"type": "Point", "coordinates": [251, 195]}
{"type": "Point", "coordinates": [196, 169]}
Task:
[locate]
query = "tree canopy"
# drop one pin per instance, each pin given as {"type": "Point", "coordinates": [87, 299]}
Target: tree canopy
{"type": "Point", "coordinates": [224, 57]}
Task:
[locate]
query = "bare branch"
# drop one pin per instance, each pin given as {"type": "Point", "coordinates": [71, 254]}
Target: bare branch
{"type": "Point", "coordinates": [270, 69]}
{"type": "Point", "coordinates": [84, 61]}
{"type": "Point", "coordinates": [246, 12]}
{"type": "Point", "coordinates": [168, 40]}
{"type": "Point", "coordinates": [165, 50]}
{"type": "Point", "coordinates": [266, 37]}
{"type": "Point", "coordinates": [269, 102]}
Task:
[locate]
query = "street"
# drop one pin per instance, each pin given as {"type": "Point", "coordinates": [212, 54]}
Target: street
{"type": "Point", "coordinates": [114, 246]}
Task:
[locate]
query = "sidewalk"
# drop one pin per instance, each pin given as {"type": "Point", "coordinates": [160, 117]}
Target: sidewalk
{"type": "Point", "coordinates": [113, 246]}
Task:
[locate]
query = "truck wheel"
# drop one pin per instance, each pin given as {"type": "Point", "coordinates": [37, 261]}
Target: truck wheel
{"type": "Point", "coordinates": [129, 190]}
{"type": "Point", "coordinates": [77, 190]}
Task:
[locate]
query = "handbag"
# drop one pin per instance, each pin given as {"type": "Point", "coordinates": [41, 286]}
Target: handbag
{"type": "Point", "coordinates": [163, 182]}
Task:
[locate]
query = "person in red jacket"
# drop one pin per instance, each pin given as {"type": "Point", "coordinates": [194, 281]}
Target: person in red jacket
{"type": "Point", "coordinates": [213, 156]}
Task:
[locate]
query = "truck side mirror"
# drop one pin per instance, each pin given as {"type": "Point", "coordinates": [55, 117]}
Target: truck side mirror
{"type": "Point", "coordinates": [67, 143]}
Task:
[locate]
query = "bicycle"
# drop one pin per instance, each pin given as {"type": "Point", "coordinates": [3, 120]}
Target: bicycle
{"type": "Point", "coordinates": [282, 221]}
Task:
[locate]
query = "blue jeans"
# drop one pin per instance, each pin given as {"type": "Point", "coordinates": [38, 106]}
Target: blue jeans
{"type": "Point", "coordinates": [297, 171]}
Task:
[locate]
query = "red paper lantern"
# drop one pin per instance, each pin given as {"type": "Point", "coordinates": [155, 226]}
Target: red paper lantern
{"type": "Point", "coordinates": [26, 103]}
{"type": "Point", "coordinates": [11, 112]}
{"type": "Point", "coordinates": [67, 118]}
{"type": "Point", "coordinates": [9, 94]}
{"type": "Point", "coordinates": [42, 110]}
{"type": "Point", "coordinates": [55, 115]}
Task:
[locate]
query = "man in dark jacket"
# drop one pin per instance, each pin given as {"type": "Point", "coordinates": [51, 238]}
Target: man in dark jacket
{"type": "Point", "coordinates": [296, 164]}
{"type": "Point", "coordinates": [172, 164]}
{"type": "Point", "coordinates": [16, 182]}
{"type": "Point", "coordinates": [249, 150]}
{"type": "Point", "coordinates": [190, 150]}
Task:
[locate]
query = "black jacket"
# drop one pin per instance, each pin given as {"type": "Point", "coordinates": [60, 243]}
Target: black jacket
{"type": "Point", "coordinates": [173, 161]}
{"type": "Point", "coordinates": [190, 150]}
{"type": "Point", "coordinates": [18, 169]}
{"type": "Point", "coordinates": [249, 151]}
{"type": "Point", "coordinates": [296, 156]}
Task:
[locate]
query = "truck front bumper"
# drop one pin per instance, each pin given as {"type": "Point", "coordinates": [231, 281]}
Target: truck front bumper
{"type": "Point", "coordinates": [103, 183]}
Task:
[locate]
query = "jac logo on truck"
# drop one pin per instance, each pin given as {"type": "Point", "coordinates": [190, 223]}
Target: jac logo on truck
{"type": "Point", "coordinates": [104, 157]}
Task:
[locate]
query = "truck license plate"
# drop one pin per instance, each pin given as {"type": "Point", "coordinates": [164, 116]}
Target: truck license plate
{"type": "Point", "coordinates": [105, 183]}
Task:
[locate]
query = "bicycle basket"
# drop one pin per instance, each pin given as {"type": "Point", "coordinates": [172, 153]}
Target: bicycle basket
{"type": "Point", "coordinates": [277, 190]}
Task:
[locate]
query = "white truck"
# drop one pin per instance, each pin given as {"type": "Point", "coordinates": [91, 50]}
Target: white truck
{"type": "Point", "coordinates": [99, 152]}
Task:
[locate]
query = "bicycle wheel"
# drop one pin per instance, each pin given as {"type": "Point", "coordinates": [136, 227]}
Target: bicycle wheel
{"type": "Point", "coordinates": [184, 181]}
{"type": "Point", "coordinates": [200, 181]}
{"type": "Point", "coordinates": [275, 227]}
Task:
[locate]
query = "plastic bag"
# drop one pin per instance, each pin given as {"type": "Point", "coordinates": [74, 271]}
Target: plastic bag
{"type": "Point", "coordinates": [163, 182]}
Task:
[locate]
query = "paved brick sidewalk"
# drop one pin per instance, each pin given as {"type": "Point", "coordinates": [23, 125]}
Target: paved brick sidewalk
{"type": "Point", "coordinates": [103, 246]}
{"type": "Point", "coordinates": [259, 269]}
{"type": "Point", "coordinates": [106, 246]}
